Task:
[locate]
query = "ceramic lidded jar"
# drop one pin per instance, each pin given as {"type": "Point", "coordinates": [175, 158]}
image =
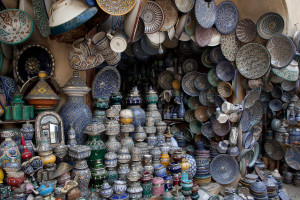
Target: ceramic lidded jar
{"type": "Point", "coordinates": [174, 167]}
{"type": "Point", "coordinates": [124, 156]}
{"type": "Point", "coordinates": [139, 134]}
{"type": "Point", "coordinates": [146, 181]}
{"type": "Point", "coordinates": [75, 111]}
{"type": "Point", "coordinates": [126, 116]}
{"type": "Point", "coordinates": [136, 154]}
{"type": "Point", "coordinates": [133, 175]}
{"type": "Point", "coordinates": [9, 151]}
{"type": "Point", "coordinates": [167, 195]}
{"type": "Point", "coordinates": [106, 191]}
{"type": "Point", "coordinates": [151, 100]}
{"type": "Point", "coordinates": [119, 187]}
{"type": "Point", "coordinates": [135, 190]}
{"type": "Point", "coordinates": [158, 187]}
{"type": "Point", "coordinates": [110, 159]}
{"type": "Point", "coordinates": [160, 170]}
{"type": "Point", "coordinates": [127, 141]}
{"type": "Point", "coordinates": [27, 131]}
{"type": "Point", "coordinates": [178, 155]}
{"type": "Point", "coordinates": [156, 153]}
{"type": "Point", "coordinates": [133, 101]}
{"type": "Point", "coordinates": [123, 170]}
{"type": "Point", "coordinates": [112, 175]}
{"type": "Point", "coordinates": [14, 179]}
{"type": "Point", "coordinates": [98, 174]}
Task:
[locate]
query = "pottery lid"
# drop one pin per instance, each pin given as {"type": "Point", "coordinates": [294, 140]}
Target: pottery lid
{"type": "Point", "coordinates": [7, 134]}
{"type": "Point", "coordinates": [75, 86]}
{"type": "Point", "coordinates": [134, 92]}
{"type": "Point", "coordinates": [27, 127]}
{"type": "Point", "coordinates": [61, 169]}
{"type": "Point", "coordinates": [42, 89]}
{"type": "Point", "coordinates": [80, 148]}
{"type": "Point", "coordinates": [94, 128]}
{"type": "Point", "coordinates": [151, 91]}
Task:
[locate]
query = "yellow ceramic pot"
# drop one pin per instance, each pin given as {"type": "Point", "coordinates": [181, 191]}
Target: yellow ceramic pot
{"type": "Point", "coordinates": [185, 165]}
{"type": "Point", "coordinates": [165, 159]}
{"type": "Point", "coordinates": [48, 159]}
{"type": "Point", "coordinates": [1, 175]}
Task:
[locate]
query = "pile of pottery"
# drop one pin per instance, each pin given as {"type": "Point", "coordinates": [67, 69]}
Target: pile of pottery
{"type": "Point", "coordinates": [259, 190]}
{"type": "Point", "coordinates": [271, 185]}
{"type": "Point", "coordinates": [248, 180]}
{"type": "Point", "coordinates": [202, 158]}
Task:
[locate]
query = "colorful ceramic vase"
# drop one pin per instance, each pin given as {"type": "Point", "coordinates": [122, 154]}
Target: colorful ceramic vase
{"type": "Point", "coordinates": [106, 191]}
{"type": "Point", "coordinates": [151, 100]}
{"type": "Point", "coordinates": [27, 131]}
{"type": "Point", "coordinates": [158, 187]}
{"type": "Point", "coordinates": [133, 101]}
{"type": "Point", "coordinates": [75, 111]}
{"type": "Point", "coordinates": [135, 190]}
{"type": "Point", "coordinates": [98, 174]}
{"type": "Point", "coordinates": [9, 152]}
{"type": "Point", "coordinates": [146, 181]}
{"type": "Point", "coordinates": [112, 175]}
{"type": "Point", "coordinates": [119, 187]}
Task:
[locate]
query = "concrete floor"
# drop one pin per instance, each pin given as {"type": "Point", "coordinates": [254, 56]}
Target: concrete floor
{"type": "Point", "coordinates": [293, 191]}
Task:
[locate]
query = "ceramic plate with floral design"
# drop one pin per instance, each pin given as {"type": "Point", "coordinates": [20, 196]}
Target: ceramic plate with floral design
{"type": "Point", "coordinates": [170, 12]}
{"type": "Point", "coordinates": [230, 46]}
{"type": "Point", "coordinates": [226, 17]}
{"type": "Point", "coordinates": [116, 7]}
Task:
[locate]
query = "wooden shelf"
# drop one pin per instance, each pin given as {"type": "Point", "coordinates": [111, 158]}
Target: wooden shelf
{"type": "Point", "coordinates": [16, 121]}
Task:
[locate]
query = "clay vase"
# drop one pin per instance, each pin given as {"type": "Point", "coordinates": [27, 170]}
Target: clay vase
{"type": "Point", "coordinates": [9, 151]}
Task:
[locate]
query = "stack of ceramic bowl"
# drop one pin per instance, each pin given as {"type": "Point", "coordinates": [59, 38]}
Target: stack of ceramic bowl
{"type": "Point", "coordinates": [276, 175]}
{"type": "Point", "coordinates": [288, 177]}
{"type": "Point", "coordinates": [258, 190]}
{"type": "Point", "coordinates": [213, 150]}
{"type": "Point", "coordinates": [260, 165]}
{"type": "Point", "coordinates": [297, 179]}
{"type": "Point", "coordinates": [248, 180]}
{"type": "Point", "coordinates": [294, 136]}
{"type": "Point", "coordinates": [181, 140]}
{"type": "Point", "coordinates": [271, 185]}
{"type": "Point", "coordinates": [202, 158]}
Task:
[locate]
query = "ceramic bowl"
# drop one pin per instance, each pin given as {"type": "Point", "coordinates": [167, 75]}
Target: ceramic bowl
{"type": "Point", "coordinates": [16, 26]}
{"type": "Point", "coordinates": [216, 55]}
{"type": "Point", "coordinates": [201, 113]}
{"type": "Point", "coordinates": [225, 89]}
{"type": "Point", "coordinates": [246, 30]}
{"type": "Point", "coordinates": [195, 126]}
{"type": "Point", "coordinates": [215, 39]}
{"type": "Point", "coordinates": [269, 25]}
{"type": "Point", "coordinates": [69, 14]}
{"type": "Point", "coordinates": [275, 105]}
{"type": "Point", "coordinates": [289, 73]}
{"type": "Point", "coordinates": [225, 71]}
{"type": "Point", "coordinates": [276, 92]}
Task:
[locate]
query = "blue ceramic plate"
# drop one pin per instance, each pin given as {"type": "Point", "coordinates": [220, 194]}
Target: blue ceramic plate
{"type": "Point", "coordinates": [257, 111]}
{"type": "Point", "coordinates": [106, 81]}
{"type": "Point", "coordinates": [187, 83]}
{"type": "Point", "coordinates": [216, 55]}
{"type": "Point", "coordinates": [226, 17]}
{"type": "Point", "coordinates": [225, 70]}
{"type": "Point", "coordinates": [269, 25]}
{"type": "Point", "coordinates": [32, 59]}
{"type": "Point", "coordinates": [245, 120]}
{"type": "Point", "coordinates": [275, 105]}
{"type": "Point", "coordinates": [205, 13]}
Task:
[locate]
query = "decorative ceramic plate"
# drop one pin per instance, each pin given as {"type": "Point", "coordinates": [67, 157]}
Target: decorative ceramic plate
{"type": "Point", "coordinates": [205, 13]}
{"type": "Point", "coordinates": [190, 25]}
{"type": "Point", "coordinates": [253, 60]}
{"type": "Point", "coordinates": [289, 73]}
{"type": "Point", "coordinates": [230, 46]}
{"type": "Point", "coordinates": [224, 169]}
{"type": "Point", "coordinates": [226, 17]}
{"type": "Point", "coordinates": [281, 49]}
{"type": "Point", "coordinates": [269, 25]}
{"type": "Point", "coordinates": [41, 17]}
{"type": "Point", "coordinates": [189, 115]}
{"type": "Point", "coordinates": [216, 55]}
{"type": "Point", "coordinates": [193, 103]}
{"type": "Point", "coordinates": [288, 85]}
{"type": "Point", "coordinates": [247, 139]}
{"type": "Point", "coordinates": [219, 100]}
{"type": "Point", "coordinates": [201, 113]}
{"type": "Point", "coordinates": [165, 79]}
{"type": "Point", "coordinates": [189, 65]}
{"type": "Point", "coordinates": [207, 130]}
{"type": "Point", "coordinates": [106, 81]}
{"type": "Point", "coordinates": [246, 30]}
{"type": "Point", "coordinates": [213, 78]}
{"type": "Point", "coordinates": [193, 166]}
{"type": "Point", "coordinates": [287, 97]}
{"type": "Point", "coordinates": [187, 83]}
{"type": "Point", "coordinates": [116, 7]}
{"type": "Point", "coordinates": [225, 71]}
{"type": "Point", "coordinates": [215, 39]}
{"type": "Point", "coordinates": [153, 17]}
{"type": "Point", "coordinates": [138, 51]}
{"type": "Point", "coordinates": [224, 89]}
{"type": "Point", "coordinates": [251, 98]}
{"type": "Point", "coordinates": [255, 149]}
{"type": "Point", "coordinates": [195, 126]}
{"type": "Point", "coordinates": [16, 26]}
{"type": "Point", "coordinates": [179, 28]}
{"type": "Point", "coordinates": [170, 12]}
{"type": "Point", "coordinates": [275, 105]}
{"type": "Point", "coordinates": [210, 95]}
{"type": "Point", "coordinates": [292, 157]}
{"type": "Point", "coordinates": [203, 36]}
{"type": "Point", "coordinates": [205, 59]}
{"type": "Point", "coordinates": [274, 149]}
{"type": "Point", "coordinates": [201, 82]}
{"type": "Point", "coordinates": [32, 59]}
{"type": "Point", "coordinates": [256, 111]}
{"type": "Point", "coordinates": [203, 97]}
{"type": "Point", "coordinates": [184, 6]}
{"type": "Point", "coordinates": [245, 120]}
{"type": "Point", "coordinates": [221, 129]}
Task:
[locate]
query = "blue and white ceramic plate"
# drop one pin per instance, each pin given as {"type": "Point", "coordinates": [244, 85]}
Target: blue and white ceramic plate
{"type": "Point", "coordinates": [245, 120]}
{"type": "Point", "coordinates": [226, 17]}
{"type": "Point", "coordinates": [257, 111]}
{"type": "Point", "coordinates": [269, 25]}
{"type": "Point", "coordinates": [192, 169]}
{"type": "Point", "coordinates": [107, 81]}
{"type": "Point", "coordinates": [275, 105]}
{"type": "Point", "coordinates": [187, 83]}
{"type": "Point", "coordinates": [205, 13]}
{"type": "Point", "coordinates": [216, 55]}
{"type": "Point", "coordinates": [225, 71]}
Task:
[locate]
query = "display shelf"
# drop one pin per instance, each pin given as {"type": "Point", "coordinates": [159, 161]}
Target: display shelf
{"type": "Point", "coordinates": [16, 121]}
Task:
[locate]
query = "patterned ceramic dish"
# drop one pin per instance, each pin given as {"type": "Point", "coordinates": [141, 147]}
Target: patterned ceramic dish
{"type": "Point", "coordinates": [201, 113]}
{"type": "Point", "coordinates": [138, 51]}
{"type": "Point", "coordinates": [216, 55]}
{"type": "Point", "coordinates": [165, 79]}
{"type": "Point", "coordinates": [16, 26]}
{"type": "Point", "coordinates": [203, 36]}
{"type": "Point", "coordinates": [201, 82]}
{"type": "Point", "coordinates": [189, 65]}
{"type": "Point", "coordinates": [289, 73]}
{"type": "Point", "coordinates": [275, 105]}
{"type": "Point", "coordinates": [207, 130]}
{"type": "Point", "coordinates": [221, 129]}
{"type": "Point", "coordinates": [193, 103]}
{"type": "Point", "coordinates": [274, 149]}
{"type": "Point", "coordinates": [215, 39]}
{"type": "Point", "coordinates": [205, 13]}
{"type": "Point", "coordinates": [224, 89]}
{"type": "Point", "coordinates": [246, 30]}
{"type": "Point", "coordinates": [187, 83]}
{"type": "Point", "coordinates": [230, 46]}
{"type": "Point", "coordinates": [213, 78]}
{"type": "Point", "coordinates": [189, 115]}
{"type": "Point", "coordinates": [195, 126]}
{"type": "Point", "coordinates": [191, 23]}
{"type": "Point", "coordinates": [269, 25]}
{"type": "Point", "coordinates": [292, 157]}
{"type": "Point", "coordinates": [245, 119]}
{"type": "Point", "coordinates": [226, 17]}
{"type": "Point", "coordinates": [251, 98]}
{"type": "Point", "coordinates": [170, 12]}
{"type": "Point", "coordinates": [205, 59]}
{"type": "Point", "coordinates": [225, 71]}
{"type": "Point", "coordinates": [106, 81]}
{"type": "Point", "coordinates": [253, 60]}
{"type": "Point", "coordinates": [219, 100]}
{"type": "Point", "coordinates": [32, 59]}
{"type": "Point", "coordinates": [184, 6]}
{"type": "Point", "coordinates": [224, 169]}
{"type": "Point", "coordinates": [281, 49]}
{"type": "Point", "coordinates": [41, 17]}
{"type": "Point", "coordinates": [210, 95]}
{"type": "Point", "coordinates": [153, 17]}
{"type": "Point", "coordinates": [256, 111]}
{"type": "Point", "coordinates": [203, 97]}
{"type": "Point", "coordinates": [119, 7]}
{"type": "Point", "coordinates": [68, 15]}
{"type": "Point", "coordinates": [288, 85]}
